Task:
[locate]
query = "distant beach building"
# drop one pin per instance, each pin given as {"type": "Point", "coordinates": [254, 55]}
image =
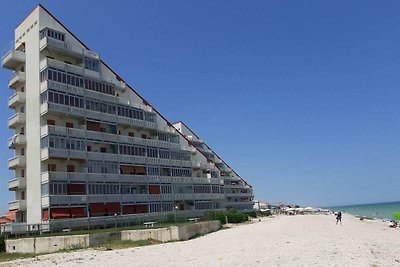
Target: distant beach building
{"type": "Point", "coordinates": [90, 151]}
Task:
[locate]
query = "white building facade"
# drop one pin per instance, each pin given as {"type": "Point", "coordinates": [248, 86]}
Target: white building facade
{"type": "Point", "coordinates": [88, 148]}
{"type": "Point", "coordinates": [238, 193]}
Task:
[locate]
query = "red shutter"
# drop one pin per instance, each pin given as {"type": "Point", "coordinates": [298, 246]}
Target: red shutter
{"type": "Point", "coordinates": [128, 209]}
{"type": "Point", "coordinates": [45, 215]}
{"type": "Point", "coordinates": [51, 122]}
{"type": "Point", "coordinates": [142, 208]}
{"type": "Point", "coordinates": [113, 208]}
{"type": "Point", "coordinates": [131, 134]}
{"type": "Point", "coordinates": [75, 189]}
{"type": "Point", "coordinates": [93, 126]}
{"type": "Point", "coordinates": [97, 209]}
{"type": "Point", "coordinates": [139, 170]}
{"type": "Point", "coordinates": [154, 189]}
{"type": "Point", "coordinates": [69, 125]}
{"type": "Point", "coordinates": [77, 212]}
{"type": "Point", "coordinates": [70, 168]}
{"type": "Point", "coordinates": [127, 169]}
{"type": "Point", "coordinates": [59, 213]}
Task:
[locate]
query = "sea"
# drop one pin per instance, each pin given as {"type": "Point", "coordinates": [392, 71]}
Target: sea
{"type": "Point", "coordinates": [375, 210]}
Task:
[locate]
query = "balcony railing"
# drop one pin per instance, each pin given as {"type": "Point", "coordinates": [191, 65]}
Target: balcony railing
{"type": "Point", "coordinates": [12, 59]}
{"type": "Point", "coordinates": [197, 164]}
{"type": "Point", "coordinates": [101, 136]}
{"type": "Point", "coordinates": [61, 46]}
{"type": "Point", "coordinates": [83, 199]}
{"type": "Point", "coordinates": [16, 119]}
{"type": "Point", "coordinates": [16, 79]}
{"type": "Point", "coordinates": [18, 139]}
{"type": "Point", "coordinates": [16, 99]}
{"type": "Point", "coordinates": [17, 161]}
{"type": "Point", "coordinates": [62, 109]}
{"type": "Point", "coordinates": [17, 183]}
{"type": "Point", "coordinates": [231, 194]}
{"type": "Point", "coordinates": [49, 62]}
{"type": "Point", "coordinates": [48, 153]}
{"type": "Point", "coordinates": [17, 204]}
{"type": "Point", "coordinates": [124, 178]}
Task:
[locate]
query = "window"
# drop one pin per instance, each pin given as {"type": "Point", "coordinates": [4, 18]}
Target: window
{"type": "Point", "coordinates": [152, 152]}
{"type": "Point", "coordinates": [69, 125]}
{"type": "Point", "coordinates": [22, 173]}
{"type": "Point", "coordinates": [92, 64]}
{"type": "Point", "coordinates": [51, 167]}
{"type": "Point", "coordinates": [52, 34]}
{"type": "Point", "coordinates": [144, 136]}
{"type": "Point", "coordinates": [164, 154]}
{"type": "Point", "coordinates": [153, 170]}
{"type": "Point", "coordinates": [70, 168]}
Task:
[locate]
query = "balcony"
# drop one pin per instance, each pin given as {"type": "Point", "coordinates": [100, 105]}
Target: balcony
{"type": "Point", "coordinates": [12, 59]}
{"type": "Point", "coordinates": [238, 194]}
{"type": "Point", "coordinates": [79, 112]}
{"type": "Point", "coordinates": [45, 85]}
{"type": "Point", "coordinates": [53, 63]}
{"type": "Point", "coordinates": [17, 161]}
{"type": "Point", "coordinates": [17, 79]}
{"type": "Point", "coordinates": [137, 123]}
{"type": "Point", "coordinates": [16, 140]}
{"type": "Point", "coordinates": [16, 119]}
{"type": "Point", "coordinates": [17, 204]}
{"type": "Point", "coordinates": [16, 183]}
{"type": "Point", "coordinates": [123, 178]}
{"type": "Point", "coordinates": [60, 46]}
{"type": "Point", "coordinates": [48, 153]}
{"type": "Point", "coordinates": [16, 99]}
{"type": "Point", "coordinates": [61, 109]}
{"type": "Point", "coordinates": [201, 165]}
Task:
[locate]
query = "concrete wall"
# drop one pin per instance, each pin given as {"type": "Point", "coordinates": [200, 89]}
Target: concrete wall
{"type": "Point", "coordinates": [46, 244]}
{"type": "Point", "coordinates": [161, 234]}
{"type": "Point", "coordinates": [186, 232]}
{"type": "Point", "coordinates": [57, 243]}
{"type": "Point", "coordinates": [172, 233]}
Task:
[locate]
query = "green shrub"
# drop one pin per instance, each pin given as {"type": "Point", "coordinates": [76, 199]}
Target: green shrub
{"type": "Point", "coordinates": [233, 217]}
{"type": "Point", "coordinates": [216, 215]}
{"type": "Point", "coordinates": [170, 218]}
{"type": "Point", "coordinates": [231, 210]}
{"type": "Point", "coordinates": [252, 214]}
{"type": "Point", "coordinates": [266, 213]}
{"type": "Point", "coordinates": [396, 215]}
{"type": "Point", "coordinates": [2, 244]}
{"type": "Point", "coordinates": [237, 217]}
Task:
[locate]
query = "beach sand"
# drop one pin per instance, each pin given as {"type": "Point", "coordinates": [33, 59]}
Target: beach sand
{"type": "Point", "coordinates": [301, 240]}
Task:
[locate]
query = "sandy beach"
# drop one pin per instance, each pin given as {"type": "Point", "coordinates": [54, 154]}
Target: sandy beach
{"type": "Point", "coordinates": [302, 240]}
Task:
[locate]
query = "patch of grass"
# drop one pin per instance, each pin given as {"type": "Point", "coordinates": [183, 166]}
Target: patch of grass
{"type": "Point", "coordinates": [15, 256]}
{"type": "Point", "coordinates": [119, 244]}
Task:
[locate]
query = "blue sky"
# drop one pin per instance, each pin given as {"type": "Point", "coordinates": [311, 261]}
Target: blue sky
{"type": "Point", "coordinates": [300, 97]}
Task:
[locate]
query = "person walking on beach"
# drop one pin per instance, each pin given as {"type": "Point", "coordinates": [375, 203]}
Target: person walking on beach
{"type": "Point", "coordinates": [339, 218]}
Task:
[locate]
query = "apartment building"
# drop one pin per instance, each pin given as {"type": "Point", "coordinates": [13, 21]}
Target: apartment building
{"type": "Point", "coordinates": [238, 193]}
{"type": "Point", "coordinates": [89, 150]}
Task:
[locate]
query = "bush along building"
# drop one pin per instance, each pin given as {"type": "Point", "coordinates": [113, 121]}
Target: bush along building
{"type": "Point", "coordinates": [90, 151]}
